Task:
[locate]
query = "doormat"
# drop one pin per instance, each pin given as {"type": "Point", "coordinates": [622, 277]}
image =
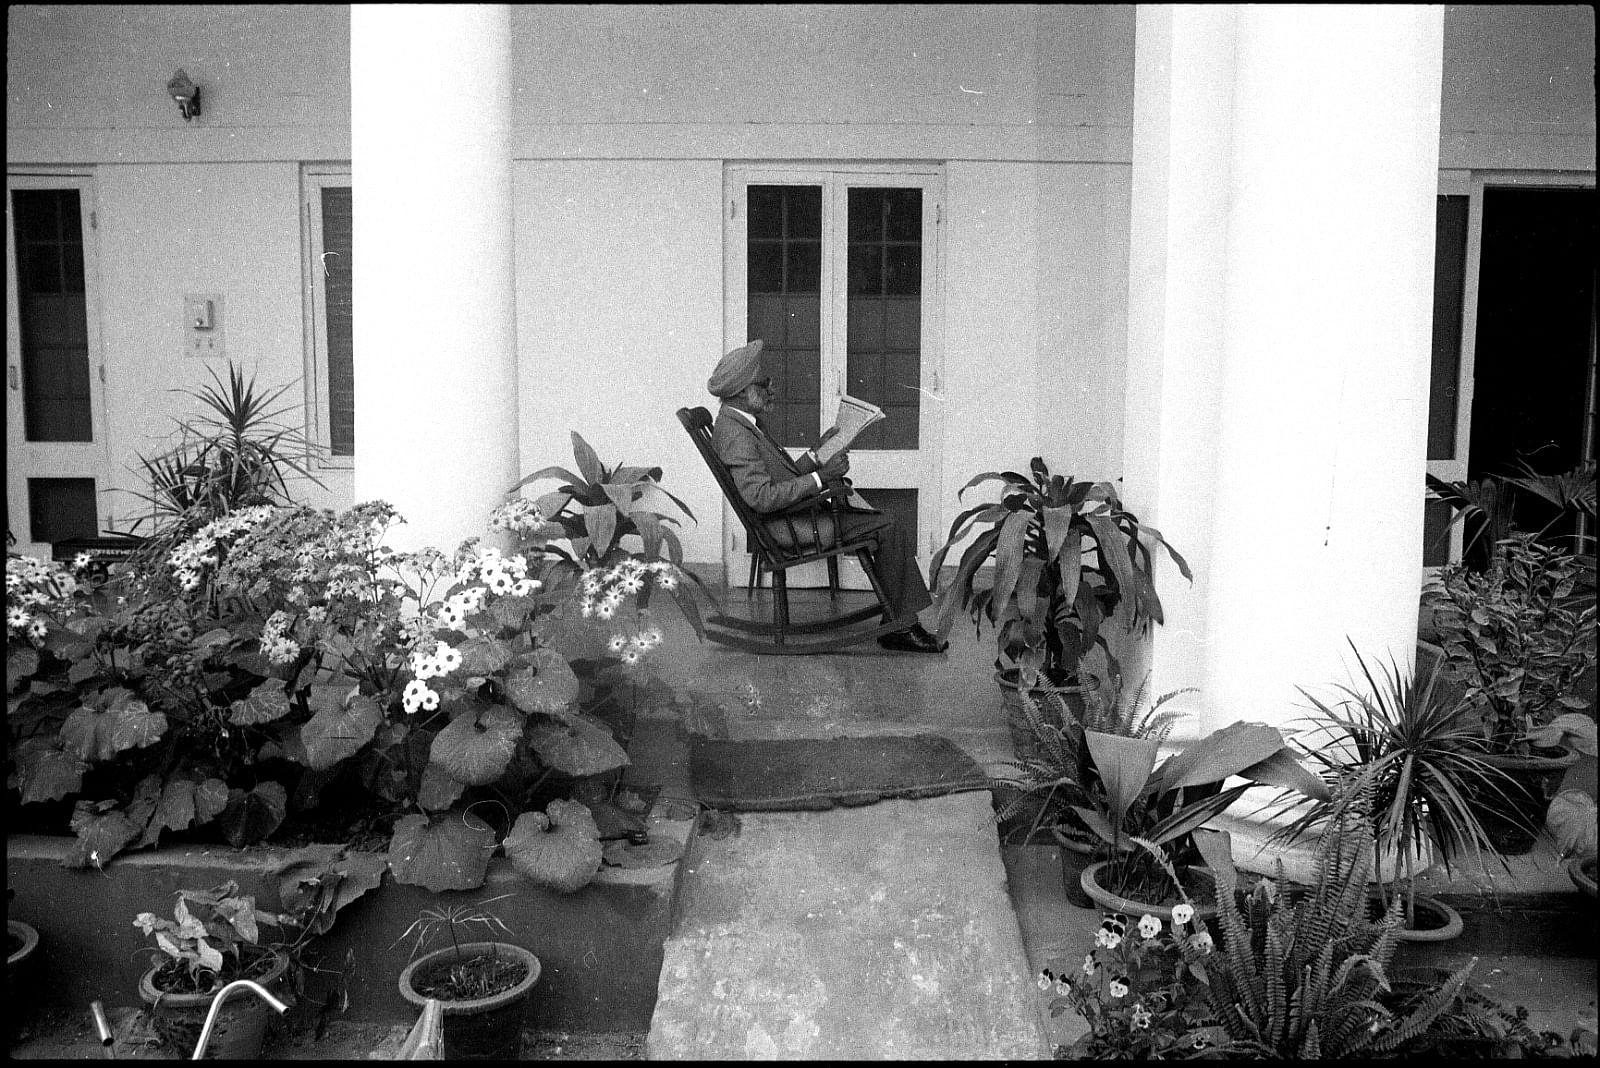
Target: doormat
{"type": "Point", "coordinates": [797, 774]}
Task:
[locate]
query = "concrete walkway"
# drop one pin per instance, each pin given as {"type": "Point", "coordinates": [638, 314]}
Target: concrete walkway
{"type": "Point", "coordinates": [880, 932]}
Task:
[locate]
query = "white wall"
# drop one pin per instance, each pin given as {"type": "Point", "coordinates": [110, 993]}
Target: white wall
{"type": "Point", "coordinates": [167, 230]}
{"type": "Point", "coordinates": [619, 262]}
{"type": "Point", "coordinates": [619, 318]}
{"type": "Point", "coordinates": [1518, 87]}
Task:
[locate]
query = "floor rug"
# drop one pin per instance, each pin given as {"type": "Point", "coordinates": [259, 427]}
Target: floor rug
{"type": "Point", "coordinates": [792, 774]}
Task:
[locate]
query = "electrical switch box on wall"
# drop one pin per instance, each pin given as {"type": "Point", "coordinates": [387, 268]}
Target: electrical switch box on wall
{"type": "Point", "coordinates": [202, 324]}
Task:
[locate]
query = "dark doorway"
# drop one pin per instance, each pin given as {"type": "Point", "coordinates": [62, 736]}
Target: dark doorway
{"type": "Point", "coordinates": [1533, 373]}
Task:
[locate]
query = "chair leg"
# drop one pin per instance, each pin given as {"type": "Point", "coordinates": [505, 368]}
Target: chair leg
{"type": "Point", "coordinates": [755, 576]}
{"type": "Point", "coordinates": [833, 578]}
{"type": "Point", "coordinates": [780, 605]}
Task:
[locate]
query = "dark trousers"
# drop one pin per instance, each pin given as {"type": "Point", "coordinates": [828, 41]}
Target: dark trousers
{"type": "Point", "coordinates": [895, 563]}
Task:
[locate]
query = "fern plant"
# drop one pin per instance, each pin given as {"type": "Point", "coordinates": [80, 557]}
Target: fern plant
{"type": "Point", "coordinates": [1305, 975]}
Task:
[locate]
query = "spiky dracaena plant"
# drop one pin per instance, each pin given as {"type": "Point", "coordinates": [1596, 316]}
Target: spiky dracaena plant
{"type": "Point", "coordinates": [1305, 976]}
{"type": "Point", "coordinates": [1055, 778]}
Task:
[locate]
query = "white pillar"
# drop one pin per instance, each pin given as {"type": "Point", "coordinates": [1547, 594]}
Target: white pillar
{"type": "Point", "coordinates": [435, 338]}
{"type": "Point", "coordinates": [1285, 170]}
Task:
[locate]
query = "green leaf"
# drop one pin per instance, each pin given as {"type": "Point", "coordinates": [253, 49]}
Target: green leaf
{"type": "Point", "coordinates": [20, 664]}
{"type": "Point", "coordinates": [560, 850]}
{"type": "Point", "coordinates": [1220, 754]}
{"type": "Point", "coordinates": [134, 725]}
{"type": "Point", "coordinates": [1009, 553]}
{"type": "Point", "coordinates": [176, 810]}
{"type": "Point", "coordinates": [476, 748]}
{"type": "Point", "coordinates": [1124, 765]}
{"type": "Point", "coordinates": [600, 522]}
{"type": "Point", "coordinates": [46, 771]}
{"type": "Point", "coordinates": [588, 460]}
{"type": "Point", "coordinates": [438, 790]}
{"type": "Point", "coordinates": [652, 854]}
{"type": "Point", "coordinates": [88, 733]}
{"type": "Point", "coordinates": [101, 835]}
{"type": "Point", "coordinates": [543, 473]}
{"type": "Point", "coordinates": [577, 747]}
{"type": "Point", "coordinates": [482, 656]}
{"type": "Point", "coordinates": [250, 816]}
{"type": "Point", "coordinates": [264, 704]}
{"type": "Point", "coordinates": [546, 684]}
{"type": "Point", "coordinates": [336, 733]}
{"type": "Point", "coordinates": [445, 852]}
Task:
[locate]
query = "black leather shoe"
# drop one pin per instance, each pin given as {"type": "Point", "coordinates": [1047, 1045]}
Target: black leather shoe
{"type": "Point", "coordinates": [914, 639]}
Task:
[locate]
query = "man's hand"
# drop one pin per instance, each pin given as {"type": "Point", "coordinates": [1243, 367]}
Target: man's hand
{"type": "Point", "coordinates": [834, 468]}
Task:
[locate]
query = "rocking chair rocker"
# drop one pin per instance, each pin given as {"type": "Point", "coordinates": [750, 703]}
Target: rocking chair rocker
{"type": "Point", "coordinates": [803, 533]}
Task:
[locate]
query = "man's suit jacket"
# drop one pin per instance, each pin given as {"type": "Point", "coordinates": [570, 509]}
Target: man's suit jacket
{"type": "Point", "coordinates": [763, 472]}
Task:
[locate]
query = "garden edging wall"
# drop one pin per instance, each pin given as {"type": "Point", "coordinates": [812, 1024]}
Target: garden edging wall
{"type": "Point", "coordinates": [601, 947]}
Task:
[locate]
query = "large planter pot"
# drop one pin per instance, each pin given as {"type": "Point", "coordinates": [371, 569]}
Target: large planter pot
{"type": "Point", "coordinates": [1105, 898]}
{"type": "Point", "coordinates": [1023, 743]}
{"type": "Point", "coordinates": [486, 1028]}
{"type": "Point", "coordinates": [240, 1030]}
{"type": "Point", "coordinates": [1512, 822]}
{"type": "Point", "coordinates": [22, 968]}
{"type": "Point", "coordinates": [1076, 855]}
{"type": "Point", "coordinates": [1582, 872]}
{"type": "Point", "coordinates": [1423, 941]}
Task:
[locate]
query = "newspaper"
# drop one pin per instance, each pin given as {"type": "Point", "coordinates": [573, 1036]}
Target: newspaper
{"type": "Point", "coordinates": [855, 415]}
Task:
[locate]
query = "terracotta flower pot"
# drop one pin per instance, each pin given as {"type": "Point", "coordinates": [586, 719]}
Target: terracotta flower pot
{"type": "Point", "coordinates": [1582, 872]}
{"type": "Point", "coordinates": [486, 1028]}
{"type": "Point", "coordinates": [1423, 942]}
{"type": "Point", "coordinates": [1023, 744]}
{"type": "Point", "coordinates": [241, 1028]}
{"type": "Point", "coordinates": [22, 967]}
{"type": "Point", "coordinates": [1513, 821]}
{"type": "Point", "coordinates": [1076, 855]}
{"type": "Point", "coordinates": [1112, 902]}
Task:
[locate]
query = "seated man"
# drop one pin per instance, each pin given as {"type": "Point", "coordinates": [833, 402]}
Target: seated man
{"type": "Point", "coordinates": [769, 480]}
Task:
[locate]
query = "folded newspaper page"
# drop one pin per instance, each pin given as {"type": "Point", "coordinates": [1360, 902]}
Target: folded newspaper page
{"type": "Point", "coordinates": [855, 415]}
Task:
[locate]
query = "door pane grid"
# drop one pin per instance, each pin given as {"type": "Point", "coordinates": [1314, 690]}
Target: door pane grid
{"type": "Point", "coordinates": [784, 283]}
{"type": "Point", "coordinates": [883, 350]}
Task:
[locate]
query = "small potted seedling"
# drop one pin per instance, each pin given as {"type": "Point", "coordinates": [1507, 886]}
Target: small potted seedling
{"type": "Point", "coordinates": [212, 939]}
{"type": "Point", "coordinates": [480, 985]}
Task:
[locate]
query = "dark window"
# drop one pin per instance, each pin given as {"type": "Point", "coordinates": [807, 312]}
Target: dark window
{"type": "Point", "coordinates": [899, 503]}
{"type": "Point", "coordinates": [54, 315]}
{"type": "Point", "coordinates": [784, 283]}
{"type": "Point", "coordinates": [1449, 281]}
{"type": "Point", "coordinates": [61, 508]}
{"type": "Point", "coordinates": [337, 247]}
{"type": "Point", "coordinates": [884, 297]}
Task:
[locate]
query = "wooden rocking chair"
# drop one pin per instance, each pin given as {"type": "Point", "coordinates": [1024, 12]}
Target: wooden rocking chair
{"type": "Point", "coordinates": [803, 533]}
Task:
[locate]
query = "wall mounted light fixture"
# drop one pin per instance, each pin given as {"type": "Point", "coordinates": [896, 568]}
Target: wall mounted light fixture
{"type": "Point", "coordinates": [186, 93]}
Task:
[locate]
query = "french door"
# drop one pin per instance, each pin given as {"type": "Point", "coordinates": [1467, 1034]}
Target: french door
{"type": "Point", "coordinates": [57, 463]}
{"type": "Point", "coordinates": [838, 271]}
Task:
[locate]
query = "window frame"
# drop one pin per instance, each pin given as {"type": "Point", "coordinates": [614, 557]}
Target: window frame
{"type": "Point", "coordinates": [314, 178]}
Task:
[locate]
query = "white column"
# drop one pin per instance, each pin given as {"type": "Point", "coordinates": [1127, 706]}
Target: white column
{"type": "Point", "coordinates": [435, 338]}
{"type": "Point", "coordinates": [1285, 169]}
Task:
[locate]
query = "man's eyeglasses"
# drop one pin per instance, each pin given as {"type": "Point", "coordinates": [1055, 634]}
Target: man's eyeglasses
{"type": "Point", "coordinates": [765, 385]}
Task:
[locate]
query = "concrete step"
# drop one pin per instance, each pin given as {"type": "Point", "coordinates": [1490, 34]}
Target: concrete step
{"type": "Point", "coordinates": [884, 931]}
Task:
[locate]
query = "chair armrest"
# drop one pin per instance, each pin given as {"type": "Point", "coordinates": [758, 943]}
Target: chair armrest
{"type": "Point", "coordinates": [830, 498]}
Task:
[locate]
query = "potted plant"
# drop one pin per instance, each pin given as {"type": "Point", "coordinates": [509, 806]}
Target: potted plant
{"type": "Point", "coordinates": [212, 939]}
{"type": "Point", "coordinates": [480, 985]}
{"type": "Point", "coordinates": [1067, 557]}
{"type": "Point", "coordinates": [1519, 640]}
{"type": "Point", "coordinates": [1050, 777]}
{"type": "Point", "coordinates": [1146, 813]}
{"type": "Point", "coordinates": [22, 963]}
{"type": "Point", "coordinates": [1401, 755]}
{"type": "Point", "coordinates": [1571, 821]}
{"type": "Point", "coordinates": [1302, 973]}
